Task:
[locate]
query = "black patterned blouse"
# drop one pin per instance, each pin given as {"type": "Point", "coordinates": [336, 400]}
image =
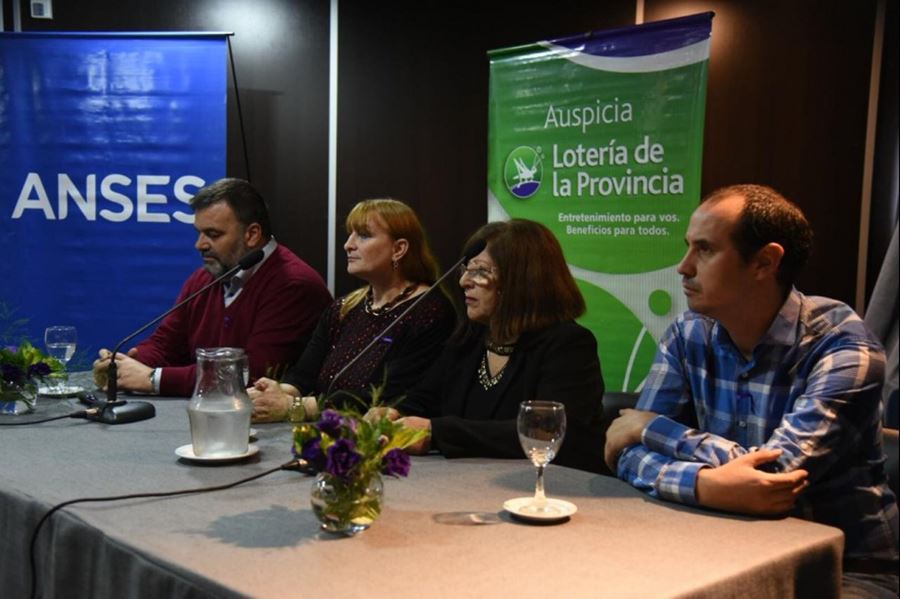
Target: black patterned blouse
{"type": "Point", "coordinates": [405, 352]}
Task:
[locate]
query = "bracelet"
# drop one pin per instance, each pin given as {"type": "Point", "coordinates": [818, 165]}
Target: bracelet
{"type": "Point", "coordinates": [302, 409]}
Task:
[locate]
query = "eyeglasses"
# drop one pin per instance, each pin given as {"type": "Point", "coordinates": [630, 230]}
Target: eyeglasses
{"type": "Point", "coordinates": [479, 275]}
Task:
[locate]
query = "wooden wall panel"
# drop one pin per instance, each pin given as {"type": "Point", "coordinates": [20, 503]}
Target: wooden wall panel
{"type": "Point", "coordinates": [413, 102]}
{"type": "Point", "coordinates": [787, 107]}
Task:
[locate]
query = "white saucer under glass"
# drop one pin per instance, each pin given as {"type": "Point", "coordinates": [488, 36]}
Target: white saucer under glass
{"type": "Point", "coordinates": [542, 428]}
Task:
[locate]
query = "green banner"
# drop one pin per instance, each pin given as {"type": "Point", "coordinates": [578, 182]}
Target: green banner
{"type": "Point", "coordinates": [600, 137]}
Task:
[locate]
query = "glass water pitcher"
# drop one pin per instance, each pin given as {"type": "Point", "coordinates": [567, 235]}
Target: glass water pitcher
{"type": "Point", "coordinates": [220, 407]}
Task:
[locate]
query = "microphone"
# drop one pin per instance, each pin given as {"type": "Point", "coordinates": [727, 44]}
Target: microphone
{"type": "Point", "coordinates": [117, 411]}
{"type": "Point", "coordinates": [473, 251]}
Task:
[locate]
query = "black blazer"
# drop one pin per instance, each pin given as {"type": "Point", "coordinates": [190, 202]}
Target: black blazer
{"type": "Point", "coordinates": [558, 363]}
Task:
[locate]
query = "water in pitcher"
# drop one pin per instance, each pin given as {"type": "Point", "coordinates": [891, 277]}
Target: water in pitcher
{"type": "Point", "coordinates": [220, 429]}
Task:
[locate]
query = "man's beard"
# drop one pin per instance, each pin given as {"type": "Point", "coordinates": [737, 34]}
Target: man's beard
{"type": "Point", "coordinates": [219, 265]}
{"type": "Point", "coordinates": [216, 267]}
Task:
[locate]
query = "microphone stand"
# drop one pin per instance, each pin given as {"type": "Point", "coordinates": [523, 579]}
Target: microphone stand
{"type": "Point", "coordinates": [112, 387]}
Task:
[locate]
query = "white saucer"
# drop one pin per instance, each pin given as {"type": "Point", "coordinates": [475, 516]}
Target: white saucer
{"type": "Point", "coordinates": [187, 452]}
{"type": "Point", "coordinates": [557, 509]}
{"type": "Point", "coordinates": [67, 391]}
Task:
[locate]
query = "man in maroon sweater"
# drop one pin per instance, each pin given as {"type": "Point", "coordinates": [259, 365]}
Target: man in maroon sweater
{"type": "Point", "coordinates": [269, 310]}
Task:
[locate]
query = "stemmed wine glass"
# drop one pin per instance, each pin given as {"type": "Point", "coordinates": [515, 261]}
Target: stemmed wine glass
{"type": "Point", "coordinates": [542, 427]}
{"type": "Point", "coordinates": [60, 342]}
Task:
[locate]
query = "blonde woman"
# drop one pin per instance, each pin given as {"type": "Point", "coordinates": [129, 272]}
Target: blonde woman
{"type": "Point", "coordinates": [386, 247]}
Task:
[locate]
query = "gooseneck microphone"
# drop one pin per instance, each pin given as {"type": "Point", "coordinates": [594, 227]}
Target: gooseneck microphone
{"type": "Point", "coordinates": [115, 411]}
{"type": "Point", "coordinates": [476, 249]}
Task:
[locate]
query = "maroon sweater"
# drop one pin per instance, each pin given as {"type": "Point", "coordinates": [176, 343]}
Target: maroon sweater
{"type": "Point", "coordinates": [271, 319]}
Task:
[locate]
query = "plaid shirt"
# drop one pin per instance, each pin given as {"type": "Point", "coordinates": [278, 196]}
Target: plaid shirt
{"type": "Point", "coordinates": [812, 388]}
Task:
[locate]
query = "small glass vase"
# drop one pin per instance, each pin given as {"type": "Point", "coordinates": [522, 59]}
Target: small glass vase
{"type": "Point", "coordinates": [16, 400]}
{"type": "Point", "coordinates": [346, 507]}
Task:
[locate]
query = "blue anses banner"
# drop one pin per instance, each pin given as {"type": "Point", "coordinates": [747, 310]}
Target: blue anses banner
{"type": "Point", "coordinates": [104, 138]}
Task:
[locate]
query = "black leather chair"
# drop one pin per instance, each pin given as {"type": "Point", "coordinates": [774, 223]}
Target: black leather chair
{"type": "Point", "coordinates": [613, 401]}
{"type": "Point", "coordinates": [891, 465]}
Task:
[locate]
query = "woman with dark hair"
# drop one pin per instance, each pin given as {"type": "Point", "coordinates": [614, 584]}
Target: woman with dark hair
{"type": "Point", "coordinates": [519, 342]}
{"type": "Point", "coordinates": [386, 248]}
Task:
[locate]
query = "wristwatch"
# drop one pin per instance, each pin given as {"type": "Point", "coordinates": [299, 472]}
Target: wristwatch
{"type": "Point", "coordinates": [154, 380]}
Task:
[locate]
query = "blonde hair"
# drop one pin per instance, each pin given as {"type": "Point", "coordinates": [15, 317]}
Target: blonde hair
{"type": "Point", "coordinates": [418, 265]}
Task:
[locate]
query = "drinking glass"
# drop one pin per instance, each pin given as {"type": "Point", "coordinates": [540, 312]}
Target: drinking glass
{"type": "Point", "coordinates": [60, 342]}
{"type": "Point", "coordinates": [542, 427]}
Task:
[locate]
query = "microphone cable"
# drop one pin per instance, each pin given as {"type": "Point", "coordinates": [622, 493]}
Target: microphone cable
{"type": "Point", "coordinates": [295, 465]}
{"type": "Point", "coordinates": [79, 414]}
{"type": "Point", "coordinates": [93, 413]}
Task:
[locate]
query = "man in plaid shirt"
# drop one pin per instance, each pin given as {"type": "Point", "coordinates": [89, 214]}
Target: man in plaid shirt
{"type": "Point", "coordinates": [762, 400]}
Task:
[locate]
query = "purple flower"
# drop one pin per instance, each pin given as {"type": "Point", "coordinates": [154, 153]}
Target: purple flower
{"type": "Point", "coordinates": [13, 374]}
{"type": "Point", "coordinates": [312, 453]}
{"type": "Point", "coordinates": [342, 459]}
{"type": "Point", "coordinates": [330, 423]}
{"type": "Point", "coordinates": [395, 463]}
{"type": "Point", "coordinates": [39, 369]}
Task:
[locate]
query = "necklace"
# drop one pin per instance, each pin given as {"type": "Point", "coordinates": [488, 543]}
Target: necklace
{"type": "Point", "coordinates": [484, 378]}
{"type": "Point", "coordinates": [385, 308]}
{"type": "Point", "coordinates": [500, 349]}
